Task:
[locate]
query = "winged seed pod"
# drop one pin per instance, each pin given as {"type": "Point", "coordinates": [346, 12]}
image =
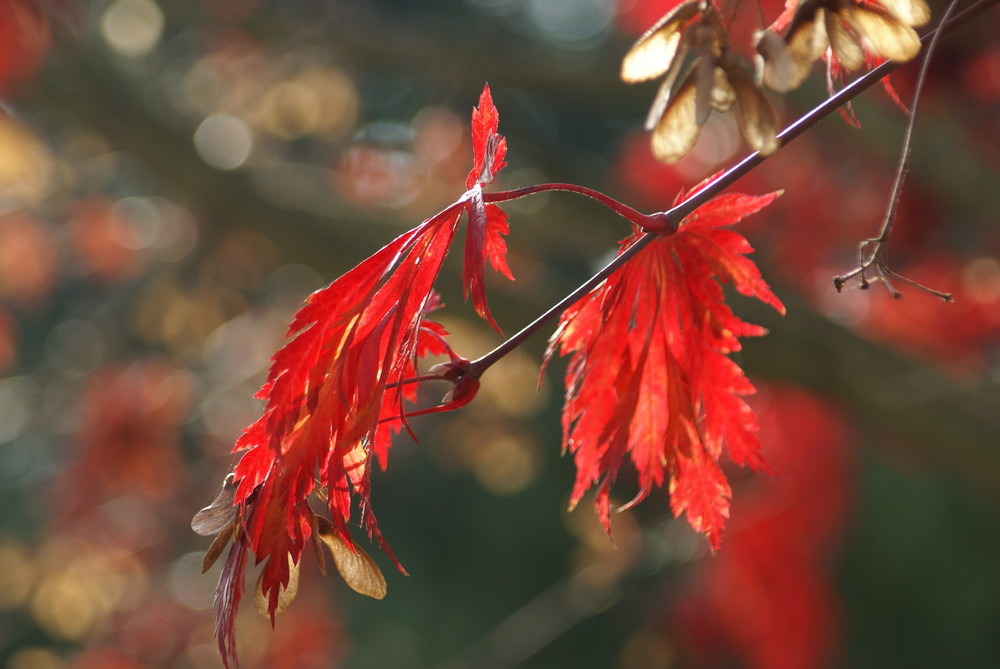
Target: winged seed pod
{"type": "Point", "coordinates": [354, 565]}
{"type": "Point", "coordinates": [913, 13]}
{"type": "Point", "coordinates": [716, 80]}
{"type": "Point", "coordinates": [660, 48]}
{"type": "Point", "coordinates": [218, 518]}
{"type": "Point", "coordinates": [285, 596]}
{"type": "Point", "coordinates": [851, 31]}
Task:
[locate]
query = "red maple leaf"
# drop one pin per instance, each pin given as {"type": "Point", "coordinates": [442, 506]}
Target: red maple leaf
{"type": "Point", "coordinates": [335, 392]}
{"type": "Point", "coordinates": [649, 378]}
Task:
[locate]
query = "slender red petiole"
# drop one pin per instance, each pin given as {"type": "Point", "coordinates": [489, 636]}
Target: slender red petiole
{"type": "Point", "coordinates": [648, 222]}
{"type": "Point", "coordinates": [414, 379]}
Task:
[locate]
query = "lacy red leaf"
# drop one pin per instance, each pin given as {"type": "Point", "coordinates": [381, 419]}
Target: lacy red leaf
{"type": "Point", "coordinates": [335, 393]}
{"type": "Point", "coordinates": [649, 378]}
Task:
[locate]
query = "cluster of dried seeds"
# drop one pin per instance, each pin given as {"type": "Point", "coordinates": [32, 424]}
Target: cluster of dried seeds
{"type": "Point", "coordinates": [689, 47]}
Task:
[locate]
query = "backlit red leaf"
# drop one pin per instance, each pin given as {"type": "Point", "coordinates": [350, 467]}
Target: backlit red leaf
{"type": "Point", "coordinates": [648, 379]}
{"type": "Point", "coordinates": [335, 393]}
{"type": "Point", "coordinates": [488, 147]}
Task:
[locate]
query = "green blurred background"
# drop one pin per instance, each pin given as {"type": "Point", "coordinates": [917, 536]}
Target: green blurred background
{"type": "Point", "coordinates": [175, 178]}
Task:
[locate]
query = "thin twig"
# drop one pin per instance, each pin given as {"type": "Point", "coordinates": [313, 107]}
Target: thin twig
{"type": "Point", "coordinates": [872, 253]}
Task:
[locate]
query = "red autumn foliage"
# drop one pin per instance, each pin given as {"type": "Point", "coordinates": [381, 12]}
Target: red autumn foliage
{"type": "Point", "coordinates": [963, 341]}
{"type": "Point", "coordinates": [24, 41]}
{"type": "Point", "coordinates": [106, 242]}
{"type": "Point", "coordinates": [312, 639]}
{"type": "Point", "coordinates": [128, 439]}
{"type": "Point", "coordinates": [768, 600]}
{"type": "Point", "coordinates": [8, 340]}
{"type": "Point", "coordinates": [335, 393]}
{"type": "Point", "coordinates": [28, 259]}
{"type": "Point", "coordinates": [649, 378]}
{"type": "Point", "coordinates": [104, 658]}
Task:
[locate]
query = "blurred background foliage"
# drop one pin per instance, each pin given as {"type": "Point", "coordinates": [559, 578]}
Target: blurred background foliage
{"type": "Point", "coordinates": [176, 177]}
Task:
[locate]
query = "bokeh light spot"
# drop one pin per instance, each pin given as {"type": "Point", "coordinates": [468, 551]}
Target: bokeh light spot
{"type": "Point", "coordinates": [35, 658]}
{"type": "Point", "coordinates": [187, 584]}
{"type": "Point", "coordinates": [17, 575]}
{"type": "Point", "coordinates": [18, 396]}
{"type": "Point", "coordinates": [981, 280]}
{"type": "Point", "coordinates": [75, 347]}
{"type": "Point", "coordinates": [573, 24]}
{"type": "Point", "coordinates": [25, 165]}
{"type": "Point", "coordinates": [132, 28]}
{"type": "Point", "coordinates": [223, 141]}
{"type": "Point", "coordinates": [505, 465]}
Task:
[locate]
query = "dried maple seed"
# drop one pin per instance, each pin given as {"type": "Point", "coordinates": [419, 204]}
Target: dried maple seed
{"type": "Point", "coordinates": [354, 565]}
{"type": "Point", "coordinates": [715, 81]}
{"type": "Point", "coordinates": [285, 594]}
{"type": "Point", "coordinates": [783, 66]}
{"type": "Point", "coordinates": [219, 514]}
{"type": "Point", "coordinates": [218, 518]}
{"type": "Point", "coordinates": [852, 31]}
{"type": "Point", "coordinates": [757, 121]}
{"type": "Point", "coordinates": [913, 13]}
{"type": "Point", "coordinates": [660, 48]}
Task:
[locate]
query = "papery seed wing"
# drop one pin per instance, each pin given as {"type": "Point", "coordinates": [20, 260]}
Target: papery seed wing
{"type": "Point", "coordinates": [219, 545]}
{"type": "Point", "coordinates": [218, 515]}
{"type": "Point", "coordinates": [677, 130]}
{"type": "Point", "coordinates": [757, 120]}
{"type": "Point", "coordinates": [356, 567]}
{"type": "Point", "coordinates": [911, 12]}
{"type": "Point", "coordinates": [285, 596]}
{"type": "Point", "coordinates": [787, 64]}
{"type": "Point", "coordinates": [778, 70]}
{"type": "Point", "coordinates": [843, 40]}
{"type": "Point", "coordinates": [705, 79]}
{"type": "Point", "coordinates": [884, 35]}
{"type": "Point", "coordinates": [664, 93]}
{"type": "Point", "coordinates": [656, 50]}
{"type": "Point", "coordinates": [723, 95]}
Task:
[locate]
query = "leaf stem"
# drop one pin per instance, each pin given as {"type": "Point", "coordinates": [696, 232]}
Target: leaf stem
{"type": "Point", "coordinates": [644, 221]}
{"type": "Point", "coordinates": [423, 378]}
